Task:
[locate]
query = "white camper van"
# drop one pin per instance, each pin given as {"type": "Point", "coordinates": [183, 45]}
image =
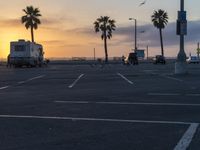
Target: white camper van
{"type": "Point", "coordinates": [26, 53]}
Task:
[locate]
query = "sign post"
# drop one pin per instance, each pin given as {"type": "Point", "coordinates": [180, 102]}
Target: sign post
{"type": "Point", "coordinates": [181, 65]}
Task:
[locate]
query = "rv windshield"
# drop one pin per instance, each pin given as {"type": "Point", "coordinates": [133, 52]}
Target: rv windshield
{"type": "Point", "coordinates": [20, 48]}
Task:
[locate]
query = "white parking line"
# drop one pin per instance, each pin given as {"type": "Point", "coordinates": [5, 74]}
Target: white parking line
{"type": "Point", "coordinates": [74, 83]}
{"type": "Point", "coordinates": [34, 78]}
{"type": "Point", "coordinates": [165, 76]}
{"type": "Point", "coordinates": [185, 141]}
{"type": "Point", "coordinates": [196, 95]}
{"type": "Point", "coordinates": [123, 77]}
{"type": "Point", "coordinates": [128, 103]}
{"type": "Point", "coordinates": [172, 78]}
{"type": "Point", "coordinates": [95, 119]}
{"type": "Point", "coordinates": [31, 79]}
{"type": "Point", "coordinates": [163, 94]}
{"type": "Point", "coordinates": [73, 102]}
{"type": "Point", "coordinates": [4, 87]}
{"type": "Point", "coordinates": [21, 82]}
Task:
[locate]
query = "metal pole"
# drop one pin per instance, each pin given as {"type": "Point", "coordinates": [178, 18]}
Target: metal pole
{"type": "Point", "coordinates": [135, 34]}
{"type": "Point", "coordinates": [181, 66]}
{"type": "Point", "coordinates": [147, 52]}
{"type": "Point", "coordinates": [94, 54]}
{"type": "Point", "coordinates": [198, 50]}
{"type": "Point", "coordinates": [182, 5]}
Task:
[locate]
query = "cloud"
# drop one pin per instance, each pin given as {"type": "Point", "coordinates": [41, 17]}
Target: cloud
{"type": "Point", "coordinates": [151, 34]}
{"type": "Point", "coordinates": [123, 35]}
{"type": "Point", "coordinates": [13, 23]}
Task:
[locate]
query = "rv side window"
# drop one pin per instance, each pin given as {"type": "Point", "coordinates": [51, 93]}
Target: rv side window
{"type": "Point", "coordinates": [20, 48]}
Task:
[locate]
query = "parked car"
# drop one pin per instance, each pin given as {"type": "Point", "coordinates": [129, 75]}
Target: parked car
{"type": "Point", "coordinates": [132, 59]}
{"type": "Point", "coordinates": [159, 59]}
{"type": "Point", "coordinates": [193, 59]}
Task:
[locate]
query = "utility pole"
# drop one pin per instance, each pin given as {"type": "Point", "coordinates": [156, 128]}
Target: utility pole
{"type": "Point", "coordinates": [181, 65]}
{"type": "Point", "coordinates": [94, 54]}
{"type": "Point", "coordinates": [147, 52]}
{"type": "Point", "coordinates": [135, 32]}
{"type": "Point", "coordinates": [198, 50]}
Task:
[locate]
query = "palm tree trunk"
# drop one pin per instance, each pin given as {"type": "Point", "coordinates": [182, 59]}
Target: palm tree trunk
{"type": "Point", "coordinates": [32, 34]}
{"type": "Point", "coordinates": [161, 42]}
{"type": "Point", "coordinates": [105, 47]}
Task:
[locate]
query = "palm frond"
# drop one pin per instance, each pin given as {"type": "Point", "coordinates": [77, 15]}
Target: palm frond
{"type": "Point", "coordinates": [31, 18]}
{"type": "Point", "coordinates": [159, 19]}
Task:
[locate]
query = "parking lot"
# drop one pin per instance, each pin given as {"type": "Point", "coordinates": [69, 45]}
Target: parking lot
{"type": "Point", "coordinates": [94, 107]}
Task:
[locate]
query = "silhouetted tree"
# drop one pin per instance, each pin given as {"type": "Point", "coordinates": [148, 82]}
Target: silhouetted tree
{"type": "Point", "coordinates": [106, 26]}
{"type": "Point", "coordinates": [160, 20]}
{"type": "Point", "coordinates": [31, 19]}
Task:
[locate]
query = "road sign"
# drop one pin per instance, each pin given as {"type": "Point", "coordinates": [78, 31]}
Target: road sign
{"type": "Point", "coordinates": [181, 15]}
{"type": "Point", "coordinates": [181, 23]}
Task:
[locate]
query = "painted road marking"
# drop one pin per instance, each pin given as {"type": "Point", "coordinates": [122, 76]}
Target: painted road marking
{"type": "Point", "coordinates": [165, 76]}
{"type": "Point", "coordinates": [38, 77]}
{"type": "Point", "coordinates": [173, 94]}
{"type": "Point", "coordinates": [73, 102]}
{"type": "Point", "coordinates": [4, 87]}
{"type": "Point", "coordinates": [127, 103]}
{"type": "Point", "coordinates": [163, 94]}
{"type": "Point", "coordinates": [123, 77]}
{"type": "Point", "coordinates": [31, 79]}
{"type": "Point", "coordinates": [21, 82]}
{"type": "Point", "coordinates": [185, 141]}
{"type": "Point", "coordinates": [96, 119]}
{"type": "Point", "coordinates": [74, 83]}
{"type": "Point", "coordinates": [172, 78]}
{"type": "Point", "coordinates": [193, 95]}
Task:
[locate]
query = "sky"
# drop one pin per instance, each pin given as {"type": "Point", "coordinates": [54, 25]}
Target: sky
{"type": "Point", "coordinates": [67, 26]}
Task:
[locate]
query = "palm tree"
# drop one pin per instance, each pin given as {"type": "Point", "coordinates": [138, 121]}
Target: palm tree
{"type": "Point", "coordinates": [160, 20]}
{"type": "Point", "coordinates": [106, 26]}
{"type": "Point", "coordinates": [31, 19]}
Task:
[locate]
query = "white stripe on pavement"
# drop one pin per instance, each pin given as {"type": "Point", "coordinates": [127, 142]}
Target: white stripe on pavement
{"type": "Point", "coordinates": [127, 103]}
{"type": "Point", "coordinates": [123, 77]}
{"type": "Point", "coordinates": [31, 79]}
{"type": "Point", "coordinates": [74, 83]}
{"type": "Point", "coordinates": [96, 119]}
{"type": "Point", "coordinates": [4, 87]}
{"type": "Point", "coordinates": [21, 82]}
{"type": "Point", "coordinates": [185, 141]}
{"type": "Point", "coordinates": [34, 78]}
{"type": "Point", "coordinates": [193, 95]}
{"type": "Point", "coordinates": [73, 102]}
{"type": "Point", "coordinates": [164, 94]}
{"type": "Point", "coordinates": [153, 104]}
{"type": "Point", "coordinates": [172, 78]}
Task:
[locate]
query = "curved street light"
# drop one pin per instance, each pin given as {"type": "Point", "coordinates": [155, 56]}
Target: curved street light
{"type": "Point", "coordinates": [135, 31]}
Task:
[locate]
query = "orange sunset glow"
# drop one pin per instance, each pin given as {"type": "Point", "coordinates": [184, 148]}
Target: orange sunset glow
{"type": "Point", "coordinates": [67, 28]}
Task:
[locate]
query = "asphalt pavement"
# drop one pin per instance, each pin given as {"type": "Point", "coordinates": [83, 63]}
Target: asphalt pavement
{"type": "Point", "coordinates": [95, 107]}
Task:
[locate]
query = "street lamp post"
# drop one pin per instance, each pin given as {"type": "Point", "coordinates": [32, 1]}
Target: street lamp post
{"type": "Point", "coordinates": [135, 32]}
{"type": "Point", "coordinates": [94, 54]}
{"type": "Point", "coordinates": [181, 65]}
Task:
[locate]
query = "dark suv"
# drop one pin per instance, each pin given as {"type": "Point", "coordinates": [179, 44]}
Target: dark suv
{"type": "Point", "coordinates": [132, 59]}
{"type": "Point", "coordinates": [159, 59]}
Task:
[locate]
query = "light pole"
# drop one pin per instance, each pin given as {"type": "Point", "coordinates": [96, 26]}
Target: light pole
{"type": "Point", "coordinates": [181, 65]}
{"type": "Point", "coordinates": [147, 52]}
{"type": "Point", "coordinates": [198, 50]}
{"type": "Point", "coordinates": [94, 54]}
{"type": "Point", "coordinates": [135, 31]}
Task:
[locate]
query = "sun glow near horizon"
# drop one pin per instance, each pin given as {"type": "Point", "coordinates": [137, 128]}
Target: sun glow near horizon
{"type": "Point", "coordinates": [66, 32]}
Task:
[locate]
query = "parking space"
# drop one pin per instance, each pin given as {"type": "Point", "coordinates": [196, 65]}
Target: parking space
{"type": "Point", "coordinates": [95, 107]}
